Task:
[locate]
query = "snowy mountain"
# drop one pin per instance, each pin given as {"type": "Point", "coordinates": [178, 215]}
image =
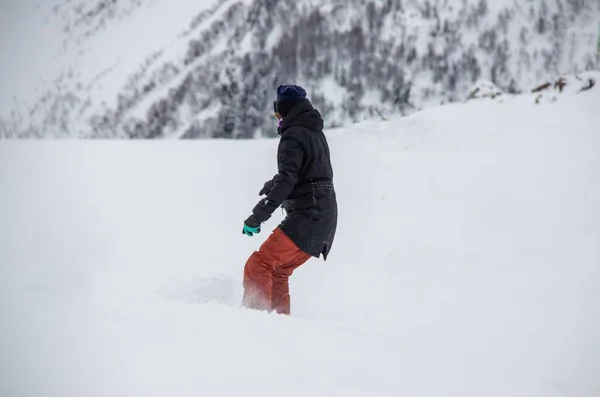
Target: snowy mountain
{"type": "Point", "coordinates": [142, 69]}
{"type": "Point", "coordinates": [466, 262]}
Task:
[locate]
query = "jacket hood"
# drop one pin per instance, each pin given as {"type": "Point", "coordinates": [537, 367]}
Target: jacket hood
{"type": "Point", "coordinates": [302, 115]}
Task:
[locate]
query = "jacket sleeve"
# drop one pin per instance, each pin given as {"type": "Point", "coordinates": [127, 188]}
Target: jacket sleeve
{"type": "Point", "coordinates": [289, 159]}
{"type": "Point", "coordinates": [268, 186]}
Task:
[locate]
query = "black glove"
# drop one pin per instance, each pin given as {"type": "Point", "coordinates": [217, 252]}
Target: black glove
{"type": "Point", "coordinates": [251, 226]}
{"type": "Point", "coordinates": [268, 186]}
{"type": "Point", "coordinates": [252, 221]}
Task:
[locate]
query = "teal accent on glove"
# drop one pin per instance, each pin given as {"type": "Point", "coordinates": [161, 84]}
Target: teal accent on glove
{"type": "Point", "coordinates": [250, 231]}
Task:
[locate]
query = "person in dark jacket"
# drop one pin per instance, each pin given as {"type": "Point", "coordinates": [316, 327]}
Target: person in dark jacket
{"type": "Point", "coordinates": [304, 188]}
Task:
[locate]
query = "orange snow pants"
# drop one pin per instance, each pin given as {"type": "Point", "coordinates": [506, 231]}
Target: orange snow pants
{"type": "Point", "coordinates": [267, 273]}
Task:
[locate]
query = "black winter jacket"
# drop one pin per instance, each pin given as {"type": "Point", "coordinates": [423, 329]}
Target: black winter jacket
{"type": "Point", "coordinates": [304, 184]}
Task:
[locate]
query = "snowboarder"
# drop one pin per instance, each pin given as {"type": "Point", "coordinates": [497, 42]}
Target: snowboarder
{"type": "Point", "coordinates": [304, 187]}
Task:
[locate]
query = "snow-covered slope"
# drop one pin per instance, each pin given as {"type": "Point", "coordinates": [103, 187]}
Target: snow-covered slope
{"type": "Point", "coordinates": [184, 68]}
{"type": "Point", "coordinates": [466, 263]}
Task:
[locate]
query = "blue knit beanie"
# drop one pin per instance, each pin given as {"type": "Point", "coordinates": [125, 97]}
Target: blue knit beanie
{"type": "Point", "coordinates": [290, 93]}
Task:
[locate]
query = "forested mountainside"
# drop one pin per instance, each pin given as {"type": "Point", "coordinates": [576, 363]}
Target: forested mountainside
{"type": "Point", "coordinates": [357, 59]}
